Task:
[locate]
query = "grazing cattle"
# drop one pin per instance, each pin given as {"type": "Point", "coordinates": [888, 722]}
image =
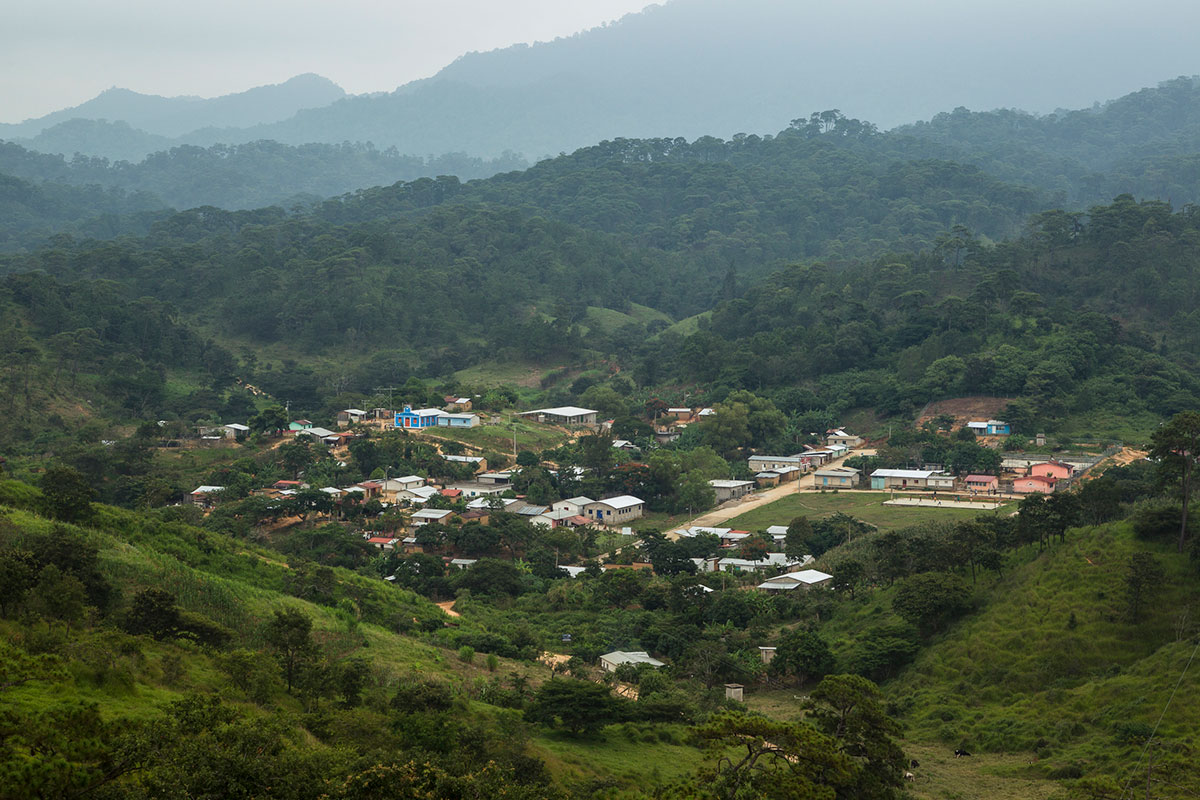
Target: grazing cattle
{"type": "Point", "coordinates": [908, 776]}
{"type": "Point", "coordinates": [960, 753]}
{"type": "Point", "coordinates": [914, 763]}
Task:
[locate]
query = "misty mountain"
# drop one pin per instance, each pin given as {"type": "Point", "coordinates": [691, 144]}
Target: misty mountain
{"type": "Point", "coordinates": [174, 116]}
{"type": "Point", "coordinates": [696, 67]}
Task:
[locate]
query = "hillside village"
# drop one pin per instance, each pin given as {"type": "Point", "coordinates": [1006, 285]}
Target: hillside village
{"type": "Point", "coordinates": [436, 512]}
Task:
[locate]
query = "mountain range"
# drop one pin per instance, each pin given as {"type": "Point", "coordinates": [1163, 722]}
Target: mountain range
{"type": "Point", "coordinates": [687, 68]}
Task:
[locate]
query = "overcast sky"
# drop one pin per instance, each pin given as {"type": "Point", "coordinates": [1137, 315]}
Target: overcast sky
{"type": "Point", "coordinates": [59, 53]}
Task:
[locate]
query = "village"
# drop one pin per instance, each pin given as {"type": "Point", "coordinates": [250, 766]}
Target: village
{"type": "Point", "coordinates": [411, 514]}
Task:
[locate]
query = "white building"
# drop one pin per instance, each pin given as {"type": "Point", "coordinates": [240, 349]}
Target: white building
{"type": "Point", "coordinates": [610, 661]}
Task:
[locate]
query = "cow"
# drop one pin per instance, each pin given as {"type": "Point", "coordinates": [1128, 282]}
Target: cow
{"type": "Point", "coordinates": [914, 763]}
{"type": "Point", "coordinates": [908, 776]}
{"type": "Point", "coordinates": [960, 753]}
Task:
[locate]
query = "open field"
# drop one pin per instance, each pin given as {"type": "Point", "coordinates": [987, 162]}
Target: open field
{"type": "Point", "coordinates": [499, 438]}
{"type": "Point", "coordinates": [632, 758]}
{"type": "Point", "coordinates": [867, 506]}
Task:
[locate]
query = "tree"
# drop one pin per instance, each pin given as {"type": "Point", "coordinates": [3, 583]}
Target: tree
{"type": "Point", "coordinates": [67, 494]}
{"type": "Point", "coordinates": [931, 599]}
{"type": "Point", "coordinates": [269, 420]}
{"type": "Point", "coordinates": [57, 596]}
{"type": "Point", "coordinates": [1143, 580]}
{"type": "Point", "coordinates": [578, 706]}
{"type": "Point", "coordinates": [796, 542]}
{"type": "Point", "coordinates": [755, 757]}
{"type": "Point", "coordinates": [289, 633]}
{"type": "Point", "coordinates": [847, 574]}
{"type": "Point", "coordinates": [852, 710]}
{"type": "Point", "coordinates": [803, 655]}
{"type": "Point", "coordinates": [18, 573]}
{"type": "Point", "coordinates": [1176, 447]}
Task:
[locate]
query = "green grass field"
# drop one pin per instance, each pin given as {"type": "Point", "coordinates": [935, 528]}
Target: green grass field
{"type": "Point", "coordinates": [499, 437]}
{"type": "Point", "coordinates": [867, 506]}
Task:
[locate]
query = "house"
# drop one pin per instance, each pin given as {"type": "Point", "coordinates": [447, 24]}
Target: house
{"type": "Point", "coordinates": [940, 481]}
{"type": "Point", "coordinates": [452, 493]}
{"type": "Point", "coordinates": [624, 444]}
{"type": "Point", "coordinates": [839, 436]}
{"type": "Point", "coordinates": [405, 482]}
{"type": "Point", "coordinates": [982, 483]}
{"type": "Point", "coordinates": [383, 542]}
{"type": "Point", "coordinates": [1034, 483]}
{"type": "Point", "coordinates": [495, 478]}
{"type": "Point", "coordinates": [478, 462]}
{"type": "Point", "coordinates": [370, 489]}
{"type": "Point", "coordinates": [323, 435]}
{"type": "Point", "coordinates": [564, 415]}
{"type": "Point", "coordinates": [1052, 469]}
{"type": "Point", "coordinates": [573, 572]}
{"type": "Point", "coordinates": [475, 489]}
{"type": "Point", "coordinates": [428, 515]}
{"type": "Point", "coordinates": [565, 519]}
{"type": "Point", "coordinates": [204, 496]}
{"type": "Point", "coordinates": [731, 490]}
{"type": "Point", "coordinates": [462, 563]}
{"type": "Point", "coordinates": [900, 478]}
{"type": "Point", "coordinates": [802, 579]}
{"type": "Point", "coordinates": [610, 661]}
{"type": "Point", "coordinates": [767, 479]}
{"type": "Point", "coordinates": [448, 420]}
{"type": "Point", "coordinates": [417, 420]}
{"type": "Point", "coordinates": [235, 431]}
{"type": "Point", "coordinates": [764, 463]}
{"type": "Point", "coordinates": [457, 403]}
{"type": "Point", "coordinates": [350, 416]}
{"type": "Point", "coordinates": [836, 478]}
{"type": "Point", "coordinates": [299, 425]}
{"type": "Point", "coordinates": [991, 427]}
{"type": "Point", "coordinates": [680, 413]}
{"type": "Point", "coordinates": [614, 510]}
{"type": "Point", "coordinates": [773, 561]}
{"type": "Point", "coordinates": [289, 485]}
{"type": "Point", "coordinates": [536, 515]}
{"type": "Point", "coordinates": [418, 494]}
{"type": "Point", "coordinates": [574, 505]}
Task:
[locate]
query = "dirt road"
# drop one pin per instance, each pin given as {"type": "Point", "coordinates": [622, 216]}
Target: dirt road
{"type": "Point", "coordinates": [807, 481]}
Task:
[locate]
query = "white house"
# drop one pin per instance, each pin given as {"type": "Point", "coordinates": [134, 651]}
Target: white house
{"type": "Point", "coordinates": [610, 661]}
{"type": "Point", "coordinates": [574, 505]}
{"type": "Point", "coordinates": [764, 463]}
{"type": "Point", "coordinates": [839, 436]}
{"type": "Point", "coordinates": [614, 510]}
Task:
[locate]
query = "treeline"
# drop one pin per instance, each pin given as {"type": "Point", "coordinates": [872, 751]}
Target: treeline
{"type": "Point", "coordinates": [251, 175]}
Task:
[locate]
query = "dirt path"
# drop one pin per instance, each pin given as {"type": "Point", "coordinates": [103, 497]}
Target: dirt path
{"type": "Point", "coordinates": [448, 607]}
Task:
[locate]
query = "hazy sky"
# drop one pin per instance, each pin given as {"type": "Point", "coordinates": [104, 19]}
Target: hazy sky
{"type": "Point", "coordinates": [59, 53]}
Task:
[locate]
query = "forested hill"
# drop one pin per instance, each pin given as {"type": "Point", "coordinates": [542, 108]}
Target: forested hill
{"type": "Point", "coordinates": [251, 175]}
{"type": "Point", "coordinates": [1145, 143]}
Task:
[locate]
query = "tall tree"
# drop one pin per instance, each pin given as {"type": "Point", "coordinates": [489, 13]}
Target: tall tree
{"type": "Point", "coordinates": [1176, 447]}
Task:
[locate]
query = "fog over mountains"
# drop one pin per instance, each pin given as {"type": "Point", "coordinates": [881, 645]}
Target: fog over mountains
{"type": "Point", "coordinates": [687, 68]}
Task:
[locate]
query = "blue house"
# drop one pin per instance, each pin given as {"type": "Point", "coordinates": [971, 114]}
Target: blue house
{"type": "Point", "coordinates": [993, 427]}
{"type": "Point", "coordinates": [420, 419]}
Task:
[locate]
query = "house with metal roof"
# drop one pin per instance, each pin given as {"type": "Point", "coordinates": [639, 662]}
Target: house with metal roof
{"type": "Point", "coordinates": [614, 510]}
{"type": "Point", "coordinates": [731, 490]}
{"type": "Point", "coordinates": [610, 661]}
{"type": "Point", "coordinates": [801, 579]}
{"type": "Point", "coordinates": [836, 478]}
{"type": "Point", "coordinates": [564, 415]}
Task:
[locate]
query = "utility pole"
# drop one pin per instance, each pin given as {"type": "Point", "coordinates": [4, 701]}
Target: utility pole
{"type": "Point", "coordinates": [389, 390]}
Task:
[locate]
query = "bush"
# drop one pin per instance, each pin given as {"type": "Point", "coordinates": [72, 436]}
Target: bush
{"type": "Point", "coordinates": [466, 654]}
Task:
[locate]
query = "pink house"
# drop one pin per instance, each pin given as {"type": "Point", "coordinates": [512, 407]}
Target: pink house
{"type": "Point", "coordinates": [982, 483]}
{"type": "Point", "coordinates": [1052, 469]}
{"type": "Point", "coordinates": [1034, 483]}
